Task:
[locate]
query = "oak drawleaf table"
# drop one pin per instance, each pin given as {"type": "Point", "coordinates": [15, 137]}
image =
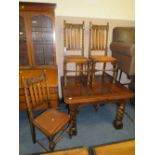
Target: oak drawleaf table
{"type": "Point", "coordinates": [103, 90]}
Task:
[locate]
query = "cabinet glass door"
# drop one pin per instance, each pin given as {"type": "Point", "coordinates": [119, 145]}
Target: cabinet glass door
{"type": "Point", "coordinates": [23, 52]}
{"type": "Point", "coordinates": [42, 40]}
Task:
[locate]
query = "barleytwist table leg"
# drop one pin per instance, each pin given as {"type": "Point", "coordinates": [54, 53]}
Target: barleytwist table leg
{"type": "Point", "coordinates": [118, 122]}
{"type": "Point", "coordinates": [73, 112]}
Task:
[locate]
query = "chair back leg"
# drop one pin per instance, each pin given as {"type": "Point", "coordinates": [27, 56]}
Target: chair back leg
{"type": "Point", "coordinates": [33, 132]}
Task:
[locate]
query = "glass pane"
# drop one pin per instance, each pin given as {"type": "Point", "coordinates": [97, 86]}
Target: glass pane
{"type": "Point", "coordinates": [23, 54]}
{"type": "Point", "coordinates": [42, 37]}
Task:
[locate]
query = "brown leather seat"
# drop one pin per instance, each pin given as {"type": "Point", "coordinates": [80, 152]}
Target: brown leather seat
{"type": "Point", "coordinates": [51, 121]}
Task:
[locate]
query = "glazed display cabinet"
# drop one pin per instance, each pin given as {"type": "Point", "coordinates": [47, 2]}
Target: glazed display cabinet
{"type": "Point", "coordinates": [37, 42]}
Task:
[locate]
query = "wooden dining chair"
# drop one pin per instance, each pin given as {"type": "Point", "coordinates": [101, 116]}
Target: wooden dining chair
{"type": "Point", "coordinates": [74, 51]}
{"type": "Point", "coordinates": [98, 48]}
{"type": "Point", "coordinates": [49, 121]}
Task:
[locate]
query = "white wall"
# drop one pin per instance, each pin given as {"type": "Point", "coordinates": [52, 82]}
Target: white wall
{"type": "Point", "coordinates": [107, 9]}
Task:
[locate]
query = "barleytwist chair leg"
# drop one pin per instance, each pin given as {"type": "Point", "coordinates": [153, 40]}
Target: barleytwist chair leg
{"type": "Point", "coordinates": [103, 72]}
{"type": "Point", "coordinates": [51, 143]}
{"type": "Point", "coordinates": [88, 73]}
{"type": "Point", "coordinates": [93, 72]}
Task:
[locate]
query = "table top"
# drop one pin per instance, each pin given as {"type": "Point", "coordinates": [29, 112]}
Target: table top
{"type": "Point", "coordinates": [101, 90]}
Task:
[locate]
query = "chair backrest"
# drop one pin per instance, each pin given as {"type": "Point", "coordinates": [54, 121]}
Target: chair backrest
{"type": "Point", "coordinates": [124, 34]}
{"type": "Point", "coordinates": [36, 93]}
{"type": "Point", "coordinates": [98, 38]}
{"type": "Point", "coordinates": [74, 37]}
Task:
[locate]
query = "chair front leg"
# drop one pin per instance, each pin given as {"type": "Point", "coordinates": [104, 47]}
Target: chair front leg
{"type": "Point", "coordinates": [88, 73]}
{"type": "Point", "coordinates": [76, 70]}
{"type": "Point", "coordinates": [52, 144]}
{"type": "Point", "coordinates": [104, 66]}
{"type": "Point", "coordinates": [93, 71]}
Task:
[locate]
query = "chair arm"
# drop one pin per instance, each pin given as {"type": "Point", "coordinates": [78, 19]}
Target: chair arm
{"type": "Point", "coordinates": [127, 49]}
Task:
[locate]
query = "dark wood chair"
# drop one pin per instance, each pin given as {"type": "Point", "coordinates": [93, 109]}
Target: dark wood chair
{"type": "Point", "coordinates": [49, 121]}
{"type": "Point", "coordinates": [74, 51]}
{"type": "Point", "coordinates": [98, 47]}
